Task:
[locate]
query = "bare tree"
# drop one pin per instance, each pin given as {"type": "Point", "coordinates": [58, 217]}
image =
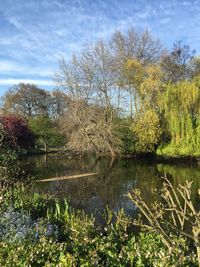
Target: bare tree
{"type": "Point", "coordinates": [89, 80]}
{"type": "Point", "coordinates": [134, 45]}
{"type": "Point", "coordinates": [57, 105]}
{"type": "Point", "coordinates": [26, 100]}
{"type": "Point", "coordinates": [87, 128]}
{"type": "Point", "coordinates": [176, 65]}
{"type": "Point", "coordinates": [74, 79]}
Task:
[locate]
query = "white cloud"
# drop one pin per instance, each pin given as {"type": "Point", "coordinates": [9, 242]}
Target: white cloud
{"type": "Point", "coordinates": [7, 67]}
{"type": "Point", "coordinates": [12, 81]}
{"type": "Point", "coordinates": [36, 33]}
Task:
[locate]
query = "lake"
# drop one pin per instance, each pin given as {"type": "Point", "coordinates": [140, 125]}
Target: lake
{"type": "Point", "coordinates": [115, 179]}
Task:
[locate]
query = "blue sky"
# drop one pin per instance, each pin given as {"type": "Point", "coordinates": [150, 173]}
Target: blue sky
{"type": "Point", "coordinates": [34, 34]}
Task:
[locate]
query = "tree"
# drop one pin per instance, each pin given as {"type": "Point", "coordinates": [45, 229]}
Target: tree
{"type": "Point", "coordinates": [45, 131]}
{"type": "Point", "coordinates": [180, 105]}
{"type": "Point", "coordinates": [134, 44]}
{"type": "Point", "coordinates": [87, 128]}
{"type": "Point", "coordinates": [100, 81]}
{"type": "Point", "coordinates": [176, 65]}
{"type": "Point", "coordinates": [25, 100]}
{"type": "Point", "coordinates": [133, 76]}
{"type": "Point", "coordinates": [147, 131]}
{"type": "Point", "coordinates": [144, 83]}
{"type": "Point", "coordinates": [136, 47]}
{"type": "Point", "coordinates": [57, 105]}
{"type": "Point", "coordinates": [15, 133]}
{"type": "Point", "coordinates": [195, 67]}
{"type": "Point", "coordinates": [28, 101]}
{"type": "Point", "coordinates": [89, 81]}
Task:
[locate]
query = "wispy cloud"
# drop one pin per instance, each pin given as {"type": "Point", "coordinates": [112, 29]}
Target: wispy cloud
{"type": "Point", "coordinates": [12, 81]}
{"type": "Point", "coordinates": [35, 33]}
{"type": "Point", "coordinates": [7, 67]}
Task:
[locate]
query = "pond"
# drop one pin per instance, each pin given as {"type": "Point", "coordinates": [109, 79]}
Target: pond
{"type": "Point", "coordinates": [115, 179]}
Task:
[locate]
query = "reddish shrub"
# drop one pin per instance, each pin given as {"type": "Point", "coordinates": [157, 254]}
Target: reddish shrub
{"type": "Point", "coordinates": [16, 132]}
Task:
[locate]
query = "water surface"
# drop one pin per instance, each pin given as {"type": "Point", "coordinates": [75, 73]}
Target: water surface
{"type": "Point", "coordinates": [114, 181]}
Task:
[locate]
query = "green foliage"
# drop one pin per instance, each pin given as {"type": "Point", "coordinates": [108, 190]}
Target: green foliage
{"type": "Point", "coordinates": [166, 114]}
{"type": "Point", "coordinates": [144, 250]}
{"type": "Point", "coordinates": [146, 129]}
{"type": "Point", "coordinates": [46, 132]}
{"type": "Point", "coordinates": [78, 241]}
{"type": "Point", "coordinates": [13, 168]}
{"type": "Point", "coordinates": [44, 252]}
{"type": "Point", "coordinates": [180, 104]}
{"type": "Point", "coordinates": [126, 135]}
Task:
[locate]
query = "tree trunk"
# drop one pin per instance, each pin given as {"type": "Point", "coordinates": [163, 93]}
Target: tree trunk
{"type": "Point", "coordinates": [131, 105]}
{"type": "Point", "coordinates": [45, 160]}
{"type": "Point", "coordinates": [112, 151]}
{"type": "Point", "coordinates": [118, 101]}
{"type": "Point", "coordinates": [45, 146]}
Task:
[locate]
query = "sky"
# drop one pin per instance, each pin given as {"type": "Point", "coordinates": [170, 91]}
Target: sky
{"type": "Point", "coordinates": [34, 34]}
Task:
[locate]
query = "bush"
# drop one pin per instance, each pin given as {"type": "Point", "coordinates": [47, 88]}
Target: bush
{"type": "Point", "coordinates": [15, 133]}
{"type": "Point", "coordinates": [78, 241]}
{"type": "Point", "coordinates": [13, 168]}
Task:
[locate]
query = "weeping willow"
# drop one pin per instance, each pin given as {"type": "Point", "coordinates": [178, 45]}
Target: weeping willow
{"type": "Point", "coordinates": [180, 104]}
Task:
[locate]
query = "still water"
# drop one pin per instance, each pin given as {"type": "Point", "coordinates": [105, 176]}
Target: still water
{"type": "Point", "coordinates": [114, 180]}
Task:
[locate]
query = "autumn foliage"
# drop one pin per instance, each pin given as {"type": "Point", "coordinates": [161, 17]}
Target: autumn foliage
{"type": "Point", "coordinates": [15, 133]}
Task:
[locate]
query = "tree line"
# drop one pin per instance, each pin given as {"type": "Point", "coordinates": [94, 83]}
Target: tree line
{"type": "Point", "coordinates": [37, 109]}
{"type": "Point", "coordinates": [124, 95]}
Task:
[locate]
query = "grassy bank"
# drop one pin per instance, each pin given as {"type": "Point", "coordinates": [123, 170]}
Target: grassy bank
{"type": "Point", "coordinates": [173, 150]}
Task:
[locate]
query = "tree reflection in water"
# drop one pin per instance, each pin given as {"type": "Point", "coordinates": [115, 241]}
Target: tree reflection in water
{"type": "Point", "coordinates": [114, 180]}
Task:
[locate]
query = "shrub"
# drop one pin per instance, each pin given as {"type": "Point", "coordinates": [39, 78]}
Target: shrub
{"type": "Point", "coordinates": [15, 133]}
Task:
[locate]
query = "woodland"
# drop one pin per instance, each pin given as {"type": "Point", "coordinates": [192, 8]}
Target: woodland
{"type": "Point", "coordinates": [125, 95]}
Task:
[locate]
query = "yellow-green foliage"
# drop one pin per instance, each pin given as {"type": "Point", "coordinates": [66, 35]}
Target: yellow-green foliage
{"type": "Point", "coordinates": [146, 128]}
{"type": "Point", "coordinates": [144, 80]}
{"type": "Point", "coordinates": [163, 110]}
{"type": "Point", "coordinates": [180, 103]}
{"type": "Point", "coordinates": [133, 73]}
{"type": "Point", "coordinates": [145, 83]}
{"type": "Point", "coordinates": [150, 87]}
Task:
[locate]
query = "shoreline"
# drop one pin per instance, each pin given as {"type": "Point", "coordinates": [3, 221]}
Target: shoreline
{"type": "Point", "coordinates": [146, 156]}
